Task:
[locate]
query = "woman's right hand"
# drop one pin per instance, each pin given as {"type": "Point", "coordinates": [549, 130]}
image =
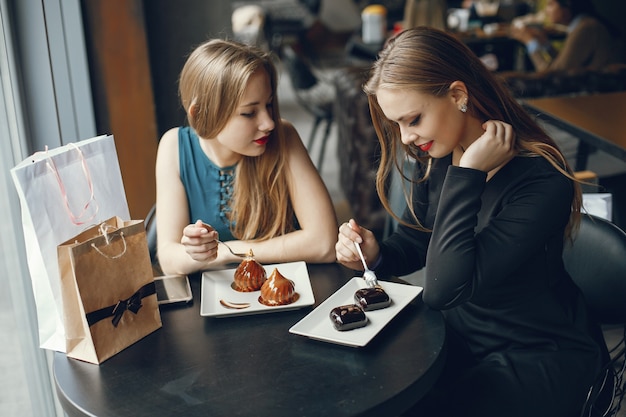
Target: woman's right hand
{"type": "Point", "coordinates": [345, 250]}
{"type": "Point", "coordinates": [525, 34]}
{"type": "Point", "coordinates": [200, 241]}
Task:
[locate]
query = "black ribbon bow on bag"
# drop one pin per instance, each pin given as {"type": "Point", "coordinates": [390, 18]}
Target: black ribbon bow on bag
{"type": "Point", "coordinates": [132, 303]}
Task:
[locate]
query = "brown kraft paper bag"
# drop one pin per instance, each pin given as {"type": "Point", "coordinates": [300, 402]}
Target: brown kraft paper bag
{"type": "Point", "coordinates": [108, 291]}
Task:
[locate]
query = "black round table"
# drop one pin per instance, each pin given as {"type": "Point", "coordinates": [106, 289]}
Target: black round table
{"type": "Point", "coordinates": [252, 366]}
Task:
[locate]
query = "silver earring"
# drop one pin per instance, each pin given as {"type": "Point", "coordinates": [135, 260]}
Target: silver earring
{"type": "Point", "coordinates": [463, 107]}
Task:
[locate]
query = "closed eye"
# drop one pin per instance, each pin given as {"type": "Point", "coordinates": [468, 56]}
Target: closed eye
{"type": "Point", "coordinates": [415, 121]}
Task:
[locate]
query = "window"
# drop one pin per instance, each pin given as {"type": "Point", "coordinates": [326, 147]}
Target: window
{"type": "Point", "coordinates": [54, 92]}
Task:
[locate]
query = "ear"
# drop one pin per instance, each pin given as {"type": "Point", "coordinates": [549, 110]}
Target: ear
{"type": "Point", "coordinates": [193, 111]}
{"type": "Point", "coordinates": [458, 92]}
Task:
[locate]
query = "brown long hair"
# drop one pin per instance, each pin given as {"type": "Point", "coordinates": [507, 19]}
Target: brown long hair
{"type": "Point", "coordinates": [214, 79]}
{"type": "Point", "coordinates": [428, 60]}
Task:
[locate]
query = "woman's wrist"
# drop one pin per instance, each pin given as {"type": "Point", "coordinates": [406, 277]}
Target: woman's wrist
{"type": "Point", "coordinates": [377, 262]}
{"type": "Point", "coordinates": [533, 45]}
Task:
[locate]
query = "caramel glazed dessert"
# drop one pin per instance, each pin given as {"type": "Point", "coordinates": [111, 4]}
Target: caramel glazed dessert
{"type": "Point", "coordinates": [249, 275]}
{"type": "Point", "coordinates": [278, 290]}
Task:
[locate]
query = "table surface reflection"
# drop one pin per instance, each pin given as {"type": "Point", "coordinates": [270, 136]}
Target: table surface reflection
{"type": "Point", "coordinates": [252, 365]}
{"type": "Point", "coordinates": [596, 119]}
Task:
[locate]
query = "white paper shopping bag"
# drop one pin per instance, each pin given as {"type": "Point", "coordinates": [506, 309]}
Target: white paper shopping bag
{"type": "Point", "coordinates": [62, 192]}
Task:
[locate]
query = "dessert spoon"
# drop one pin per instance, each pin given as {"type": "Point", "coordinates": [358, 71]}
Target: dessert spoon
{"type": "Point", "coordinates": [241, 255]}
{"type": "Point", "coordinates": [370, 276]}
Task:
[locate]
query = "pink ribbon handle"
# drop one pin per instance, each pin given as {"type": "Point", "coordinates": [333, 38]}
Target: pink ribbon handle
{"type": "Point", "coordinates": [77, 219]}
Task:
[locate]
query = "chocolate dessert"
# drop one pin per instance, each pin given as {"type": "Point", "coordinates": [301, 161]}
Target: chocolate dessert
{"type": "Point", "coordinates": [348, 317]}
{"type": "Point", "coordinates": [373, 298]}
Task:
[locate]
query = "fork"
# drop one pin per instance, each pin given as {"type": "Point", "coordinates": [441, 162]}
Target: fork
{"type": "Point", "coordinates": [370, 276]}
{"type": "Point", "coordinates": [241, 255]}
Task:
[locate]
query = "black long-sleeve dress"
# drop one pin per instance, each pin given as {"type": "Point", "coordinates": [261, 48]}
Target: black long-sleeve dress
{"type": "Point", "coordinates": [520, 340]}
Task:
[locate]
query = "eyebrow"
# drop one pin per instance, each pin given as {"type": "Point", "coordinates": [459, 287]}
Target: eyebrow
{"type": "Point", "coordinates": [408, 115]}
{"type": "Point", "coordinates": [256, 103]}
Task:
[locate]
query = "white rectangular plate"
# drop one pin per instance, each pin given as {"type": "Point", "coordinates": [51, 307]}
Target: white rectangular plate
{"type": "Point", "coordinates": [216, 285]}
{"type": "Point", "coordinates": [318, 325]}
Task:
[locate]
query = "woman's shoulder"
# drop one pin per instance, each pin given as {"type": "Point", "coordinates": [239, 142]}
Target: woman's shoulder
{"type": "Point", "coordinates": [533, 164]}
{"type": "Point", "coordinates": [167, 153]}
{"type": "Point", "coordinates": [288, 128]}
{"type": "Point", "coordinates": [168, 144]}
{"type": "Point", "coordinates": [592, 26]}
{"type": "Point", "coordinates": [536, 168]}
{"type": "Point", "coordinates": [170, 137]}
{"type": "Point", "coordinates": [291, 137]}
{"type": "Point", "coordinates": [182, 137]}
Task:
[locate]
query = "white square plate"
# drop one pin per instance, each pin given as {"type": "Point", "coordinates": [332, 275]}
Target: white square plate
{"type": "Point", "coordinates": [318, 325]}
{"type": "Point", "coordinates": [216, 285]}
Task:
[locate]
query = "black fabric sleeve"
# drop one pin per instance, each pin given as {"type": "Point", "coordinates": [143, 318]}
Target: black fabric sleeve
{"type": "Point", "coordinates": [404, 251]}
{"type": "Point", "coordinates": [467, 260]}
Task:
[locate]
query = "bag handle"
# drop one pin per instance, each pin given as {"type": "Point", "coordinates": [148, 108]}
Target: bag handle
{"type": "Point", "coordinates": [76, 219]}
{"type": "Point", "coordinates": [104, 231]}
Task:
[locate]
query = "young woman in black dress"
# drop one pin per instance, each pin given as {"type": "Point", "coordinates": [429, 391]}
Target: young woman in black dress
{"type": "Point", "coordinates": [492, 203]}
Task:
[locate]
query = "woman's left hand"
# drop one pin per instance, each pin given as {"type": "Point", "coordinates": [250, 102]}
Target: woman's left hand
{"type": "Point", "coordinates": [495, 147]}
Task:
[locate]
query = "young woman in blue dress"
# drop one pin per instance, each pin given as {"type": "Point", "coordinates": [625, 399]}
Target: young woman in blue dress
{"type": "Point", "coordinates": [238, 172]}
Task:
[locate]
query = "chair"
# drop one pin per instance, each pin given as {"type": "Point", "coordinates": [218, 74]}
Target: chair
{"type": "Point", "coordinates": [597, 263]}
{"type": "Point", "coordinates": [396, 190]}
{"type": "Point", "coordinates": [314, 94]}
{"type": "Point", "coordinates": [248, 25]}
{"type": "Point", "coordinates": [151, 236]}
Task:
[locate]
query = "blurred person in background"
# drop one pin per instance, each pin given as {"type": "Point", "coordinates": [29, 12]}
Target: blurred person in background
{"type": "Point", "coordinates": [590, 42]}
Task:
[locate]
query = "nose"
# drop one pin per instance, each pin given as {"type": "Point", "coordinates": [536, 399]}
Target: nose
{"type": "Point", "coordinates": [267, 122]}
{"type": "Point", "coordinates": [407, 137]}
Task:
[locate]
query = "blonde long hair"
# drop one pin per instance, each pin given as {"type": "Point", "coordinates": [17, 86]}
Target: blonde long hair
{"type": "Point", "coordinates": [428, 60]}
{"type": "Point", "coordinates": [214, 79]}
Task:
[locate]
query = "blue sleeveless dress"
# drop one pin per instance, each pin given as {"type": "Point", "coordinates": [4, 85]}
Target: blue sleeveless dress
{"type": "Point", "coordinates": [208, 187]}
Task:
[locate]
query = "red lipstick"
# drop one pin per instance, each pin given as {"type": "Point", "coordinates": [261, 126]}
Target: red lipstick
{"type": "Point", "coordinates": [262, 141]}
{"type": "Point", "coordinates": [426, 146]}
